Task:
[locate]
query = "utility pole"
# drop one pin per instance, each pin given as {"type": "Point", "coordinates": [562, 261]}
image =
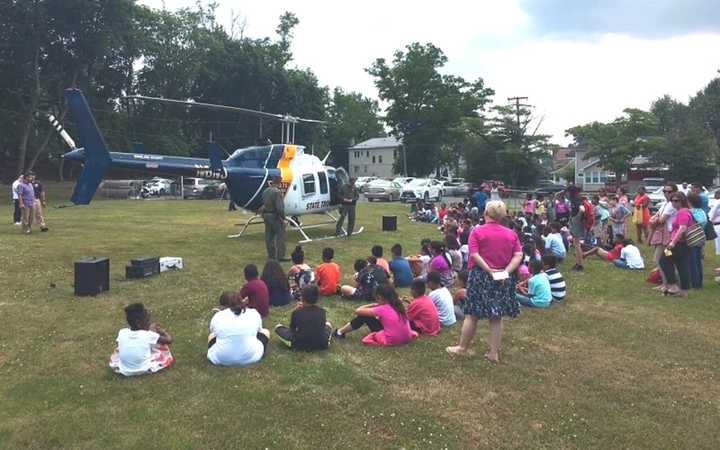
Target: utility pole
{"type": "Point", "coordinates": [517, 107]}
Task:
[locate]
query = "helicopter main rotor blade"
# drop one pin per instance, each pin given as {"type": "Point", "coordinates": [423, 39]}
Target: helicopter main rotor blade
{"type": "Point", "coordinates": [207, 106]}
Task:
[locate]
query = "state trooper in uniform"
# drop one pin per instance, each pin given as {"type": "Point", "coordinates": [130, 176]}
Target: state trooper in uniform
{"type": "Point", "coordinates": [348, 198]}
{"type": "Point", "coordinates": [273, 213]}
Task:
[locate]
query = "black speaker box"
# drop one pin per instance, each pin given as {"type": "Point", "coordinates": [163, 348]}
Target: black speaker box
{"type": "Point", "coordinates": [92, 275]}
{"type": "Point", "coordinates": [139, 272]}
{"type": "Point", "coordinates": [389, 223]}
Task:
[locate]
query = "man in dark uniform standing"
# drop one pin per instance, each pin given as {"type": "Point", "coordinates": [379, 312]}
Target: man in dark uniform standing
{"type": "Point", "coordinates": [348, 198]}
{"type": "Point", "coordinates": [273, 213]}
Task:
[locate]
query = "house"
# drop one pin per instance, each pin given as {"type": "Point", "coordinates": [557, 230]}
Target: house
{"type": "Point", "coordinates": [375, 157]}
{"type": "Point", "coordinates": [591, 176]}
{"type": "Point", "coordinates": [562, 157]}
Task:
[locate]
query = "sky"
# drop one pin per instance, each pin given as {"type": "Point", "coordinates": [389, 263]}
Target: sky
{"type": "Point", "coordinates": [577, 61]}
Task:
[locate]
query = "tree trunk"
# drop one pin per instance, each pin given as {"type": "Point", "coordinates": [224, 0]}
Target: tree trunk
{"type": "Point", "coordinates": [29, 123]}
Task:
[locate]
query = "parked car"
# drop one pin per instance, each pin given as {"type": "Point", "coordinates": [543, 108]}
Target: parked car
{"type": "Point", "coordinates": [200, 188]}
{"type": "Point", "coordinates": [383, 190]}
{"type": "Point", "coordinates": [157, 186]}
{"type": "Point", "coordinates": [421, 189]}
{"type": "Point", "coordinates": [547, 187]}
{"type": "Point", "coordinates": [657, 196]}
{"type": "Point", "coordinates": [402, 181]}
{"type": "Point", "coordinates": [456, 187]}
{"type": "Point", "coordinates": [361, 182]}
{"type": "Point", "coordinates": [652, 184]}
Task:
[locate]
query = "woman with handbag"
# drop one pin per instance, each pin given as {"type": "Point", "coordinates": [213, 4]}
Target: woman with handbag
{"type": "Point", "coordinates": [677, 252]}
{"type": "Point", "coordinates": [714, 217]}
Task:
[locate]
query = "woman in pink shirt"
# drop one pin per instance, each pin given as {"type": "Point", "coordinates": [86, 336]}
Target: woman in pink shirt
{"type": "Point", "coordinates": [677, 253]}
{"type": "Point", "coordinates": [495, 254]}
{"type": "Point", "coordinates": [386, 319]}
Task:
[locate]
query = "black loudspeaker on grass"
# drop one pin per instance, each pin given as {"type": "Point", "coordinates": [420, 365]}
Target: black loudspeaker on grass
{"type": "Point", "coordinates": [92, 275]}
{"type": "Point", "coordinates": [389, 223]}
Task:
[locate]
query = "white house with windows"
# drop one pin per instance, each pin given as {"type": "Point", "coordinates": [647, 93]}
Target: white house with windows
{"type": "Point", "coordinates": [588, 172]}
{"type": "Point", "coordinates": [375, 157]}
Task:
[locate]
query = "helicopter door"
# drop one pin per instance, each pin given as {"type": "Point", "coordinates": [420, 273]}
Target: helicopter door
{"type": "Point", "coordinates": [338, 179]}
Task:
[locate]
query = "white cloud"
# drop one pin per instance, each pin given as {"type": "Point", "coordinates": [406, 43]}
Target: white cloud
{"type": "Point", "coordinates": [569, 81]}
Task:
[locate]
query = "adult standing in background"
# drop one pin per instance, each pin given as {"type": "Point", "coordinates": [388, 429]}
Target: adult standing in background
{"type": "Point", "coordinates": [273, 213]}
{"type": "Point", "coordinates": [714, 218]}
{"type": "Point", "coordinates": [577, 225]}
{"type": "Point", "coordinates": [348, 199]}
{"type": "Point", "coordinates": [40, 202]}
{"type": "Point", "coordinates": [660, 227]}
{"type": "Point", "coordinates": [641, 216]}
{"type": "Point", "coordinates": [495, 254]}
{"type": "Point", "coordinates": [494, 192]}
{"type": "Point", "coordinates": [17, 213]}
{"type": "Point", "coordinates": [678, 254]}
{"type": "Point", "coordinates": [26, 197]}
{"type": "Point", "coordinates": [697, 188]}
{"type": "Point", "coordinates": [481, 198]}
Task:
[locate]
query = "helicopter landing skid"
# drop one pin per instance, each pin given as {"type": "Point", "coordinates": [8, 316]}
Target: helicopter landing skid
{"type": "Point", "coordinates": [257, 219]}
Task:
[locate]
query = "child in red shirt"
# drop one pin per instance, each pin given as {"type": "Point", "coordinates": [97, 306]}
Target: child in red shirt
{"type": "Point", "coordinates": [421, 312]}
{"type": "Point", "coordinates": [255, 291]}
{"type": "Point", "coordinates": [608, 255]}
{"type": "Point", "coordinates": [328, 273]}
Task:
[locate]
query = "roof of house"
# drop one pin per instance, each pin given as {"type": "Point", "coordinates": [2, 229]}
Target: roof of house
{"type": "Point", "coordinates": [378, 142]}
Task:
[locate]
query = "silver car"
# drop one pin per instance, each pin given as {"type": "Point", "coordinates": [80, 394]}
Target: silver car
{"type": "Point", "coordinates": [382, 190]}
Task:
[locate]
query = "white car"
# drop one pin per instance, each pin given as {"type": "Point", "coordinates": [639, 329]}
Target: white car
{"type": "Point", "coordinates": [421, 189]}
{"type": "Point", "coordinates": [157, 186]}
{"type": "Point", "coordinates": [361, 182]}
{"type": "Point", "coordinates": [402, 181]}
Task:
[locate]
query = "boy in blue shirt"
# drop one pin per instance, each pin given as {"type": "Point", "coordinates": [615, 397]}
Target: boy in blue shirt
{"type": "Point", "coordinates": [400, 268]}
{"type": "Point", "coordinates": [554, 242]}
{"type": "Point", "coordinates": [537, 293]}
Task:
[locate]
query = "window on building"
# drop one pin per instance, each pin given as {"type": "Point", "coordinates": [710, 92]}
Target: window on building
{"type": "Point", "coordinates": [323, 182]}
{"type": "Point", "coordinates": [367, 153]}
{"type": "Point", "coordinates": [356, 169]}
{"type": "Point", "coordinates": [308, 184]}
{"type": "Point", "coordinates": [380, 159]}
{"type": "Point", "coordinates": [395, 153]}
{"type": "Point", "coordinates": [365, 169]}
{"type": "Point", "coordinates": [373, 160]}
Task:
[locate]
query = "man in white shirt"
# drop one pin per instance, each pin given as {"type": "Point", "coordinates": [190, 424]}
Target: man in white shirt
{"type": "Point", "coordinates": [630, 257]}
{"type": "Point", "coordinates": [442, 298]}
{"type": "Point", "coordinates": [17, 214]}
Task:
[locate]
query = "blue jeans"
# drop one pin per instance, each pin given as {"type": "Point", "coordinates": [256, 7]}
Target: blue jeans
{"type": "Point", "coordinates": [621, 263]}
{"type": "Point", "coordinates": [696, 267]}
{"type": "Point", "coordinates": [526, 301]}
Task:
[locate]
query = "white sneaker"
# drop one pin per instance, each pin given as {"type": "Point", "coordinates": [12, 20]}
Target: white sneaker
{"type": "Point", "coordinates": [18, 223]}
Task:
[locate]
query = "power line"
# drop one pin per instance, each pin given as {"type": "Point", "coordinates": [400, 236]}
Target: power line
{"type": "Point", "coordinates": [517, 107]}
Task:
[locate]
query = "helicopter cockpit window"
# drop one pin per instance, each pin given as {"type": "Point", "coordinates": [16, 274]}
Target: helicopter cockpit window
{"type": "Point", "coordinates": [308, 184]}
{"type": "Point", "coordinates": [323, 182]}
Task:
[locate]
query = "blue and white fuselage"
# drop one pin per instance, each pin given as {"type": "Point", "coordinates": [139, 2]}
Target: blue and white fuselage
{"type": "Point", "coordinates": [309, 185]}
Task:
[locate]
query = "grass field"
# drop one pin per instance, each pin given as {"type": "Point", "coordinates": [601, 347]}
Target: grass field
{"type": "Point", "coordinates": [616, 366]}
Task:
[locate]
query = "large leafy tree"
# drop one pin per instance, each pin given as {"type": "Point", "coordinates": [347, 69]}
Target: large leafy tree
{"type": "Point", "coordinates": [352, 118]}
{"type": "Point", "coordinates": [423, 104]}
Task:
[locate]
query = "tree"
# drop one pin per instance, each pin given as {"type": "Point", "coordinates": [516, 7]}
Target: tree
{"type": "Point", "coordinates": [425, 105]}
{"type": "Point", "coordinates": [352, 118]}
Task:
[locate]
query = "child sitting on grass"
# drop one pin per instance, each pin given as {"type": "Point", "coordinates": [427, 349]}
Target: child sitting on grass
{"type": "Point", "coordinates": [419, 263]}
{"type": "Point", "coordinates": [308, 328]}
{"type": "Point", "coordinates": [460, 294]}
{"type": "Point", "coordinates": [328, 273]}
{"type": "Point", "coordinates": [441, 263]}
{"type": "Point", "coordinates": [557, 283]}
{"type": "Point", "coordinates": [554, 242]}
{"type": "Point", "coordinates": [300, 274]}
{"type": "Point", "coordinates": [237, 337]}
{"type": "Point", "coordinates": [255, 291]}
{"type": "Point", "coordinates": [365, 283]}
{"type": "Point", "coordinates": [535, 292]}
{"type": "Point", "coordinates": [377, 252]}
{"type": "Point", "coordinates": [277, 283]}
{"type": "Point", "coordinates": [386, 319]}
{"type": "Point", "coordinates": [605, 254]}
{"type": "Point", "coordinates": [442, 298]}
{"type": "Point", "coordinates": [142, 348]}
{"type": "Point", "coordinates": [630, 257]}
{"type": "Point", "coordinates": [400, 268]}
{"type": "Point", "coordinates": [421, 311]}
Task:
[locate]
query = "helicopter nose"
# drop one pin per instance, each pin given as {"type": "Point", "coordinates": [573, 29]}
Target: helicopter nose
{"type": "Point", "coordinates": [75, 155]}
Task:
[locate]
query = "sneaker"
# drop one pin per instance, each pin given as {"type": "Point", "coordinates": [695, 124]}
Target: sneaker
{"type": "Point", "coordinates": [43, 229]}
{"type": "Point", "coordinates": [337, 334]}
{"type": "Point", "coordinates": [18, 223]}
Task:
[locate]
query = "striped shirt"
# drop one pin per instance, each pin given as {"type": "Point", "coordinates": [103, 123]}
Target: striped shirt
{"type": "Point", "coordinates": [557, 284]}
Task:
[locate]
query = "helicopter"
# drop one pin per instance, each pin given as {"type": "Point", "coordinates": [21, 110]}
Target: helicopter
{"type": "Point", "coordinates": [309, 186]}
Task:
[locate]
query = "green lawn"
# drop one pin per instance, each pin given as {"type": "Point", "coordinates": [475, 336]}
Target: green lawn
{"type": "Point", "coordinates": [616, 366]}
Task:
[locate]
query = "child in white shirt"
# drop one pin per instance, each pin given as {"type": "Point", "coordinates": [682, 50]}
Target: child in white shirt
{"type": "Point", "coordinates": [142, 348]}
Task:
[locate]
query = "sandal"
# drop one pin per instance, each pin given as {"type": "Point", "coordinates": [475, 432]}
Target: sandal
{"type": "Point", "coordinates": [456, 351]}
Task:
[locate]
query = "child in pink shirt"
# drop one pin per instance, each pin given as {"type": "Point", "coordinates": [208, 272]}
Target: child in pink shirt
{"type": "Point", "coordinates": [386, 319]}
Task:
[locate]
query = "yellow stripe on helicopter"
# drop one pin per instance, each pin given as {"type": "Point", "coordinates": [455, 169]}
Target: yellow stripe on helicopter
{"type": "Point", "coordinates": [284, 163]}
